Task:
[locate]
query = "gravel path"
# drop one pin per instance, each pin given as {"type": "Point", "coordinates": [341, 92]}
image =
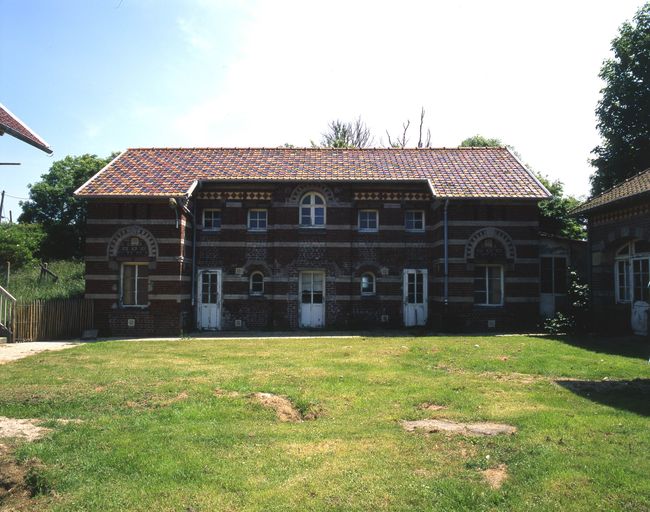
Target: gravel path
{"type": "Point", "coordinates": [13, 351]}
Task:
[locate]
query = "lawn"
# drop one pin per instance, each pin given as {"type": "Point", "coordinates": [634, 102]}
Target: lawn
{"type": "Point", "coordinates": [170, 425]}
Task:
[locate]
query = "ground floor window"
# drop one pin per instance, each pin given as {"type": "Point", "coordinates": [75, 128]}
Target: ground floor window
{"type": "Point", "coordinates": [640, 278]}
{"type": "Point", "coordinates": [367, 284]}
{"type": "Point", "coordinates": [135, 284]}
{"type": "Point", "coordinates": [488, 285]}
{"type": "Point", "coordinates": [257, 283]}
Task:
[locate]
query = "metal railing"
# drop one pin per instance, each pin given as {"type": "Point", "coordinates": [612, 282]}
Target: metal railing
{"type": "Point", "coordinates": [7, 315]}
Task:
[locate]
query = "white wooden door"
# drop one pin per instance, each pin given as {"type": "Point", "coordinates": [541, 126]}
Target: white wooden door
{"type": "Point", "coordinates": [640, 295]}
{"type": "Point", "coordinates": [209, 300]}
{"type": "Point", "coordinates": [312, 299]}
{"type": "Point", "coordinates": [415, 297]}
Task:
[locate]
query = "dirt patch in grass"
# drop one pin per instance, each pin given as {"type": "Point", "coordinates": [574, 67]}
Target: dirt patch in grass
{"type": "Point", "coordinates": [495, 476]}
{"type": "Point", "coordinates": [467, 429]}
{"type": "Point", "coordinates": [27, 429]}
{"type": "Point", "coordinates": [157, 401]}
{"type": "Point", "coordinates": [284, 409]}
{"type": "Point", "coordinates": [17, 481]}
{"type": "Point", "coordinates": [430, 406]}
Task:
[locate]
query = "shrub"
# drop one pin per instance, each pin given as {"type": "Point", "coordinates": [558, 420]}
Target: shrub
{"type": "Point", "coordinates": [19, 243]}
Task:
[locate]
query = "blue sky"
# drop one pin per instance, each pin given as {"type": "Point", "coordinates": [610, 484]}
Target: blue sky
{"type": "Point", "coordinates": [95, 76]}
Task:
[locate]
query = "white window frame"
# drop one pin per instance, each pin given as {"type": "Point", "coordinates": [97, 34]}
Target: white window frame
{"type": "Point", "coordinates": [366, 229]}
{"type": "Point", "coordinates": [406, 221]}
{"type": "Point", "coordinates": [250, 284]}
{"type": "Point", "coordinates": [266, 219]}
{"type": "Point", "coordinates": [487, 291]}
{"type": "Point", "coordinates": [135, 264]}
{"type": "Point", "coordinates": [206, 210]}
{"type": "Point", "coordinates": [312, 211]}
{"type": "Point", "coordinates": [374, 284]}
{"type": "Point", "coordinates": [627, 255]}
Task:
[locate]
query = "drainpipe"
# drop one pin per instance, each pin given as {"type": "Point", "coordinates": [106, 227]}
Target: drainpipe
{"type": "Point", "coordinates": [446, 246]}
{"type": "Point", "coordinates": [198, 187]}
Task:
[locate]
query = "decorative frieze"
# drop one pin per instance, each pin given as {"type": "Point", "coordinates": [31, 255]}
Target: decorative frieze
{"type": "Point", "coordinates": [391, 196]}
{"type": "Point", "coordinates": [619, 215]}
{"type": "Point", "coordinates": [234, 195]}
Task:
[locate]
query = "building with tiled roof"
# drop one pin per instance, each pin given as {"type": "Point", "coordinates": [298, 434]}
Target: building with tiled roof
{"type": "Point", "coordinates": [286, 238]}
{"type": "Point", "coordinates": [12, 125]}
{"type": "Point", "coordinates": [618, 228]}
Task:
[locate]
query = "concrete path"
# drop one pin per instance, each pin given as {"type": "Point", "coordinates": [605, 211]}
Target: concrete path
{"type": "Point", "coordinates": [14, 351]}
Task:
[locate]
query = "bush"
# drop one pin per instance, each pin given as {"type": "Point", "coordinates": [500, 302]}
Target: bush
{"type": "Point", "coordinates": [19, 243]}
{"type": "Point", "coordinates": [576, 319]}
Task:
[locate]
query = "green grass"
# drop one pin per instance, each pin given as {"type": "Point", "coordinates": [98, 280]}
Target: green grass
{"type": "Point", "coordinates": [141, 448]}
{"type": "Point", "coordinates": [24, 283]}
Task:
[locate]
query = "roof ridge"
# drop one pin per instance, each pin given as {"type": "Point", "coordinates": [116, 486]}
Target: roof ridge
{"type": "Point", "coordinates": [305, 148]}
{"type": "Point", "coordinates": [626, 180]}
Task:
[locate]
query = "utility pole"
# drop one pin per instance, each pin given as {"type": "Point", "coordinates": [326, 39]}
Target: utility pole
{"type": "Point", "coordinates": [2, 202]}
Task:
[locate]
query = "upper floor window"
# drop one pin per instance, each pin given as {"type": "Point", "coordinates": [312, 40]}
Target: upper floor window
{"type": "Point", "coordinates": [414, 220]}
{"type": "Point", "coordinates": [257, 219]}
{"type": "Point", "coordinates": [488, 285]}
{"type": "Point", "coordinates": [368, 220]}
{"type": "Point", "coordinates": [134, 284]}
{"type": "Point", "coordinates": [212, 219]}
{"type": "Point", "coordinates": [367, 284]}
{"type": "Point", "coordinates": [312, 210]}
{"type": "Point", "coordinates": [257, 283]}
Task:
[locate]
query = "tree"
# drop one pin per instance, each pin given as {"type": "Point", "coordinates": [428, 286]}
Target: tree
{"type": "Point", "coordinates": [53, 205]}
{"type": "Point", "coordinates": [340, 134]}
{"type": "Point", "coordinates": [554, 215]}
{"type": "Point", "coordinates": [402, 140]}
{"type": "Point", "coordinates": [480, 141]}
{"type": "Point", "coordinates": [624, 108]}
{"type": "Point", "coordinates": [19, 243]}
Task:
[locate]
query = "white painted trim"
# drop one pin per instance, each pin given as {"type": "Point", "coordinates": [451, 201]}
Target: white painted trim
{"type": "Point", "coordinates": [332, 245]}
{"type": "Point", "coordinates": [529, 172]}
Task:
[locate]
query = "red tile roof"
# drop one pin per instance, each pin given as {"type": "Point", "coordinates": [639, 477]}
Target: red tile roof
{"type": "Point", "coordinates": [10, 124]}
{"type": "Point", "coordinates": [456, 172]}
{"type": "Point", "coordinates": [633, 186]}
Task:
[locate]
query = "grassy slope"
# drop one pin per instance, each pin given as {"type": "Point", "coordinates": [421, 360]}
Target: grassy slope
{"type": "Point", "coordinates": [25, 286]}
{"type": "Point", "coordinates": [138, 449]}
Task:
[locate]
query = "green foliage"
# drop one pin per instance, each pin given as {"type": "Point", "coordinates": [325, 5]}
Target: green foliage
{"type": "Point", "coordinates": [53, 205]}
{"type": "Point", "coordinates": [624, 108]}
{"type": "Point", "coordinates": [19, 244]}
{"type": "Point", "coordinates": [25, 284]}
{"type": "Point", "coordinates": [554, 213]}
{"type": "Point", "coordinates": [576, 319]}
{"type": "Point", "coordinates": [481, 142]}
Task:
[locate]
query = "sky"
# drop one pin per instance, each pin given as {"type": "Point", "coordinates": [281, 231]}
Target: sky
{"type": "Point", "coordinates": [97, 76]}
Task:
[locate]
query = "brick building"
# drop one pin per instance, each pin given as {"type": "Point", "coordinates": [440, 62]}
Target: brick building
{"type": "Point", "coordinates": [179, 239]}
{"type": "Point", "coordinates": [618, 223]}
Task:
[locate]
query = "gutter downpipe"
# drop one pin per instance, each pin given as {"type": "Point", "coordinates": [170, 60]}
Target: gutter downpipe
{"type": "Point", "coordinates": [198, 187]}
{"type": "Point", "coordinates": [446, 246]}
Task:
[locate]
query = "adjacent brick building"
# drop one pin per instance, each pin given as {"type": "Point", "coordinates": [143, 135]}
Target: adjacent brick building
{"type": "Point", "coordinates": [619, 244]}
{"type": "Point", "coordinates": [182, 239]}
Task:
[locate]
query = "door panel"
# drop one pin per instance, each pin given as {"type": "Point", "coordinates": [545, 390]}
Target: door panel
{"type": "Point", "coordinates": [209, 304]}
{"type": "Point", "coordinates": [312, 299]}
{"type": "Point", "coordinates": [415, 297]}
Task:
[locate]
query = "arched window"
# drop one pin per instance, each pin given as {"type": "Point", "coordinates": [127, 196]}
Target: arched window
{"type": "Point", "coordinates": [257, 283]}
{"type": "Point", "coordinates": [632, 271]}
{"type": "Point", "coordinates": [367, 284]}
{"type": "Point", "coordinates": [312, 210]}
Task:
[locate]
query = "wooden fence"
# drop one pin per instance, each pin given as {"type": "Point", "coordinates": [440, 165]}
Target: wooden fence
{"type": "Point", "coordinates": [54, 319]}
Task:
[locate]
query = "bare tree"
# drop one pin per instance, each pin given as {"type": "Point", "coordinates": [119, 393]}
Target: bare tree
{"type": "Point", "coordinates": [402, 140]}
{"type": "Point", "coordinates": [342, 134]}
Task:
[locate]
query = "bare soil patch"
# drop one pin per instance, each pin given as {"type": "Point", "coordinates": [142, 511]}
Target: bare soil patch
{"type": "Point", "coordinates": [430, 406]}
{"type": "Point", "coordinates": [27, 429]}
{"type": "Point", "coordinates": [284, 409]}
{"type": "Point", "coordinates": [13, 351]}
{"type": "Point", "coordinates": [467, 429]}
{"type": "Point", "coordinates": [157, 401]}
{"type": "Point", "coordinates": [495, 476]}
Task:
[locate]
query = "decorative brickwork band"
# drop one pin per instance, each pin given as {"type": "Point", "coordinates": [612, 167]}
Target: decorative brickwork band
{"type": "Point", "coordinates": [236, 195]}
{"type": "Point", "coordinates": [391, 196]}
